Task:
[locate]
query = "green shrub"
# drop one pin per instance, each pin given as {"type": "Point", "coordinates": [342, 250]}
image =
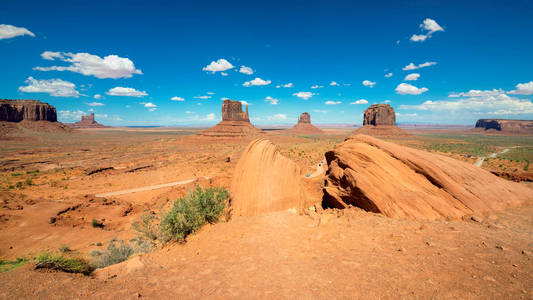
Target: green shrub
{"type": "Point", "coordinates": [62, 263]}
{"type": "Point", "coordinates": [64, 249]}
{"type": "Point", "coordinates": [8, 265]}
{"type": "Point", "coordinates": [118, 251]}
{"type": "Point", "coordinates": [97, 224]}
{"type": "Point", "coordinates": [16, 174]}
{"type": "Point", "coordinates": [29, 181]}
{"type": "Point", "coordinates": [147, 229]}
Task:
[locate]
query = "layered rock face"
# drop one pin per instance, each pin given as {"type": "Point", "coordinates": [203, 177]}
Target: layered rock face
{"type": "Point", "coordinates": [265, 181]}
{"type": "Point", "coordinates": [379, 115]}
{"type": "Point", "coordinates": [398, 181]}
{"type": "Point", "coordinates": [235, 122]}
{"type": "Point", "coordinates": [304, 125]}
{"type": "Point", "coordinates": [87, 122]}
{"type": "Point", "coordinates": [31, 110]}
{"type": "Point", "coordinates": [506, 126]}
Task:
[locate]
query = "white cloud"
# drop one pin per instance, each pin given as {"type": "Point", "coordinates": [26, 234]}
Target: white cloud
{"type": "Point", "coordinates": [332, 102]}
{"type": "Point", "coordinates": [412, 66]}
{"type": "Point", "coordinates": [369, 83]}
{"type": "Point", "coordinates": [304, 95]}
{"type": "Point", "coordinates": [386, 101]}
{"type": "Point", "coordinates": [70, 116]}
{"type": "Point", "coordinates": [430, 26]}
{"type": "Point", "coordinates": [10, 31]}
{"type": "Point", "coordinates": [189, 112]}
{"type": "Point", "coordinates": [209, 117]}
{"type": "Point", "coordinates": [223, 73]}
{"type": "Point", "coordinates": [210, 93]}
{"type": "Point", "coordinates": [54, 87]}
{"type": "Point", "coordinates": [257, 81]}
{"type": "Point", "coordinates": [288, 85]}
{"type": "Point", "coordinates": [97, 96]}
{"type": "Point", "coordinates": [317, 86]}
{"type": "Point", "coordinates": [176, 98]}
{"type": "Point", "coordinates": [245, 102]}
{"type": "Point", "coordinates": [412, 77]}
{"type": "Point", "coordinates": [152, 109]}
{"type": "Point", "coordinates": [477, 93]}
{"type": "Point", "coordinates": [202, 97]}
{"type": "Point", "coordinates": [277, 117]}
{"type": "Point", "coordinates": [126, 91]}
{"type": "Point", "coordinates": [218, 66]}
{"type": "Point", "coordinates": [407, 89]}
{"type": "Point", "coordinates": [95, 104]}
{"type": "Point", "coordinates": [111, 66]}
{"type": "Point", "coordinates": [360, 101]}
{"type": "Point", "coordinates": [523, 89]}
{"type": "Point", "coordinates": [246, 70]}
{"type": "Point", "coordinates": [148, 104]}
{"type": "Point", "coordinates": [333, 83]}
{"type": "Point", "coordinates": [418, 37]}
{"type": "Point", "coordinates": [271, 100]}
{"type": "Point", "coordinates": [388, 75]}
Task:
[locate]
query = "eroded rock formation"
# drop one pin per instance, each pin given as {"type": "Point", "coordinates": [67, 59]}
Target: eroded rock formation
{"type": "Point", "coordinates": [380, 120]}
{"type": "Point", "coordinates": [265, 181]}
{"type": "Point", "coordinates": [304, 125]}
{"type": "Point", "coordinates": [235, 122]}
{"type": "Point", "coordinates": [31, 110]}
{"type": "Point", "coordinates": [398, 181]}
{"type": "Point", "coordinates": [506, 126]}
{"type": "Point", "coordinates": [87, 122]}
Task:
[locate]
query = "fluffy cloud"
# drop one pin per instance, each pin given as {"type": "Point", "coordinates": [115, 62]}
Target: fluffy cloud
{"type": "Point", "coordinates": [209, 117]}
{"type": "Point", "coordinates": [429, 26]}
{"type": "Point", "coordinates": [202, 97]}
{"type": "Point", "coordinates": [412, 77]}
{"type": "Point", "coordinates": [317, 86]}
{"type": "Point", "coordinates": [97, 96]}
{"type": "Point", "coordinates": [10, 31]}
{"type": "Point", "coordinates": [523, 89]}
{"type": "Point", "coordinates": [277, 117]}
{"type": "Point", "coordinates": [246, 70]}
{"type": "Point", "coordinates": [388, 75]}
{"type": "Point", "coordinates": [407, 89]}
{"type": "Point", "coordinates": [288, 85]}
{"type": "Point", "coordinates": [210, 93]}
{"type": "Point", "coordinates": [332, 102]}
{"type": "Point", "coordinates": [412, 66]}
{"type": "Point", "coordinates": [218, 66]}
{"type": "Point", "coordinates": [148, 104]}
{"type": "Point", "coordinates": [333, 83]}
{"type": "Point", "coordinates": [360, 101]}
{"type": "Point", "coordinates": [176, 98]}
{"type": "Point", "coordinates": [257, 81]}
{"type": "Point", "coordinates": [111, 66]}
{"type": "Point", "coordinates": [223, 73]}
{"type": "Point", "coordinates": [304, 95]}
{"type": "Point", "coordinates": [478, 93]}
{"type": "Point", "coordinates": [271, 100]}
{"type": "Point", "coordinates": [126, 91]}
{"type": "Point", "coordinates": [386, 101]}
{"type": "Point", "coordinates": [369, 83]}
{"type": "Point", "coordinates": [70, 116]}
{"type": "Point", "coordinates": [95, 104]}
{"type": "Point", "coordinates": [54, 87]}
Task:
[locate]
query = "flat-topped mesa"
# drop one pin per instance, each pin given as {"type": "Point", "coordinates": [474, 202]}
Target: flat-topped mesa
{"type": "Point", "coordinates": [87, 122]}
{"type": "Point", "coordinates": [506, 125]}
{"type": "Point", "coordinates": [305, 118]}
{"type": "Point", "coordinates": [379, 114]}
{"type": "Point", "coordinates": [232, 111]}
{"type": "Point", "coordinates": [31, 110]}
{"type": "Point", "coordinates": [304, 125]}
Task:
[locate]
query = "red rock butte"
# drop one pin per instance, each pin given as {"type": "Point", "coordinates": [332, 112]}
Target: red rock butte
{"type": "Point", "coordinates": [304, 125]}
{"type": "Point", "coordinates": [235, 122]}
{"type": "Point", "coordinates": [505, 126]}
{"type": "Point", "coordinates": [87, 122]}
{"type": "Point", "coordinates": [380, 120]}
{"type": "Point", "coordinates": [30, 110]}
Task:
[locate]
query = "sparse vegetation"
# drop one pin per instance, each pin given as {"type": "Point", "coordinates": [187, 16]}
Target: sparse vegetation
{"type": "Point", "coordinates": [118, 251]}
{"type": "Point", "coordinates": [8, 265]}
{"type": "Point", "coordinates": [62, 263]}
{"type": "Point", "coordinates": [64, 249]}
{"type": "Point", "coordinates": [97, 224]}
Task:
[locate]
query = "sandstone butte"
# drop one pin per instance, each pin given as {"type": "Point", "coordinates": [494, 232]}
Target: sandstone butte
{"type": "Point", "coordinates": [265, 181]}
{"type": "Point", "coordinates": [87, 122]}
{"type": "Point", "coordinates": [380, 120]}
{"type": "Point", "coordinates": [235, 122]}
{"type": "Point", "coordinates": [505, 126]}
{"type": "Point", "coordinates": [30, 110]}
{"type": "Point", "coordinates": [398, 181]}
{"type": "Point", "coordinates": [304, 125]}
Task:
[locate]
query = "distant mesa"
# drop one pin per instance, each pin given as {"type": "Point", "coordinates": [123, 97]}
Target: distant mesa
{"type": "Point", "coordinates": [398, 181]}
{"type": "Point", "coordinates": [30, 110]}
{"type": "Point", "coordinates": [380, 120]}
{"type": "Point", "coordinates": [505, 126]}
{"type": "Point", "coordinates": [304, 125]}
{"type": "Point", "coordinates": [87, 122]}
{"type": "Point", "coordinates": [235, 122]}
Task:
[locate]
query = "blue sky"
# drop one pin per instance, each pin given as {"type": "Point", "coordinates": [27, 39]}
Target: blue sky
{"type": "Point", "coordinates": [126, 60]}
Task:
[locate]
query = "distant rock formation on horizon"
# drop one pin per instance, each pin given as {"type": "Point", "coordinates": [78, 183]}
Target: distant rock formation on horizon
{"type": "Point", "coordinates": [304, 125]}
{"type": "Point", "coordinates": [30, 110]}
{"type": "Point", "coordinates": [505, 126]}
{"type": "Point", "coordinates": [235, 122]}
{"type": "Point", "coordinates": [87, 122]}
{"type": "Point", "coordinates": [380, 120]}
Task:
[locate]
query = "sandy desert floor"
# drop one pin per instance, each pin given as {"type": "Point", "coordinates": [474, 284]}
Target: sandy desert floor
{"type": "Point", "coordinates": [49, 181]}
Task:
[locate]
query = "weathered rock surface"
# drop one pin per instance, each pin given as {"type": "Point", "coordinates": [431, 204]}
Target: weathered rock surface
{"type": "Point", "coordinates": [379, 114]}
{"type": "Point", "coordinates": [398, 181]}
{"type": "Point", "coordinates": [265, 181]}
{"type": "Point", "coordinates": [304, 125]}
{"type": "Point", "coordinates": [235, 122]}
{"type": "Point", "coordinates": [31, 110]}
{"type": "Point", "coordinates": [506, 126]}
{"type": "Point", "coordinates": [87, 122]}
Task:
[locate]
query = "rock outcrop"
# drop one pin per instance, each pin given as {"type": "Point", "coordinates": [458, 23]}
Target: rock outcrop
{"type": "Point", "coordinates": [398, 181]}
{"type": "Point", "coordinates": [505, 126]}
{"type": "Point", "coordinates": [30, 110]}
{"type": "Point", "coordinates": [87, 122]}
{"type": "Point", "coordinates": [235, 122]}
{"type": "Point", "coordinates": [265, 181]}
{"type": "Point", "coordinates": [304, 125]}
{"type": "Point", "coordinates": [380, 120]}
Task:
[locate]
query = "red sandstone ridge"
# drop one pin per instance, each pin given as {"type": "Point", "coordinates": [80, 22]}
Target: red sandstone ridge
{"type": "Point", "coordinates": [505, 126]}
{"type": "Point", "coordinates": [380, 120]}
{"type": "Point", "coordinates": [265, 181]}
{"type": "Point", "coordinates": [304, 125]}
{"type": "Point", "coordinates": [235, 122]}
{"type": "Point", "coordinates": [398, 181]}
{"type": "Point", "coordinates": [30, 110]}
{"type": "Point", "coordinates": [87, 122]}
